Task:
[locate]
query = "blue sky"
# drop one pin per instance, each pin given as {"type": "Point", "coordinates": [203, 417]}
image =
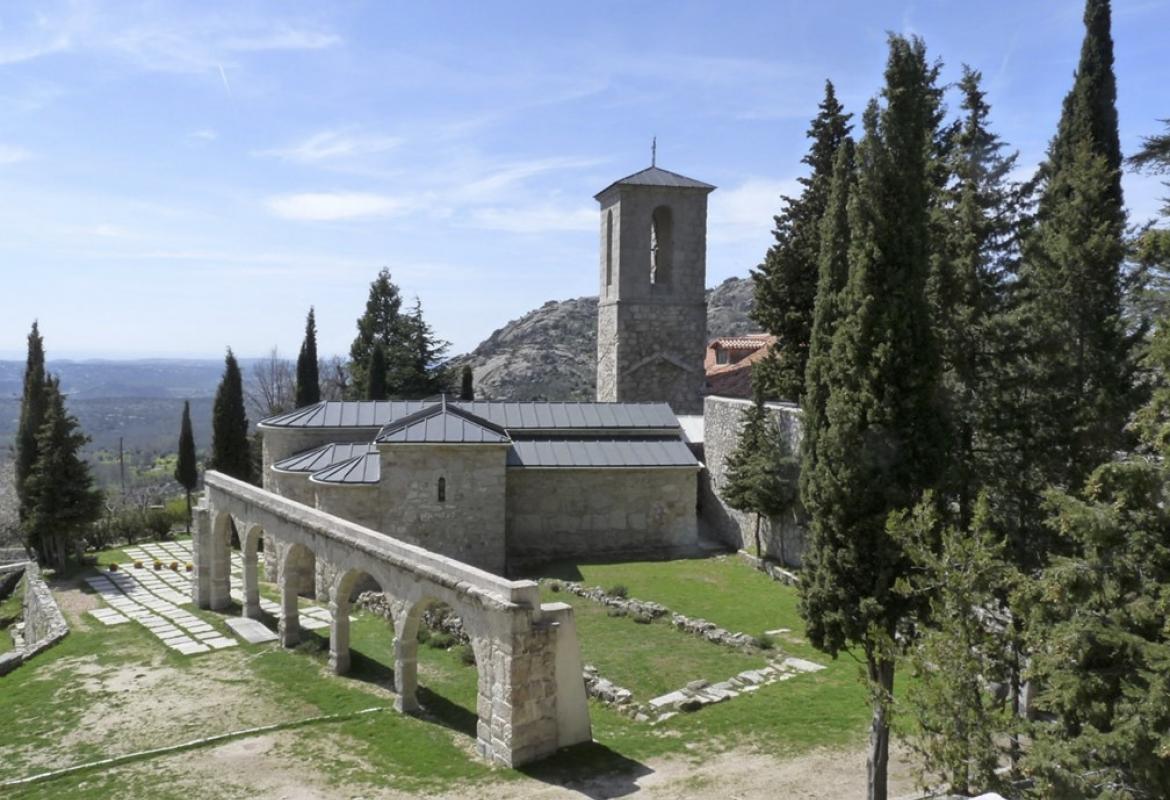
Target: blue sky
{"type": "Point", "coordinates": [179, 177]}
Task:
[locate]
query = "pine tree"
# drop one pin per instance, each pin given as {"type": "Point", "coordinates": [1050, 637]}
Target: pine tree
{"type": "Point", "coordinates": [466, 387]}
{"type": "Point", "coordinates": [977, 221]}
{"type": "Point", "coordinates": [62, 499]}
{"type": "Point", "coordinates": [1071, 277]}
{"type": "Point", "coordinates": [955, 718]}
{"type": "Point", "coordinates": [761, 471]}
{"type": "Point", "coordinates": [308, 389]}
{"type": "Point", "coordinates": [376, 374]}
{"type": "Point", "coordinates": [883, 442]}
{"type": "Point", "coordinates": [186, 470]}
{"type": "Point", "coordinates": [381, 323]}
{"type": "Point", "coordinates": [33, 406]}
{"type": "Point", "coordinates": [785, 284]}
{"type": "Point", "coordinates": [420, 373]}
{"type": "Point", "coordinates": [230, 453]}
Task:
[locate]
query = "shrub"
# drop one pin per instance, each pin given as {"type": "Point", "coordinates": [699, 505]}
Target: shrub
{"type": "Point", "coordinates": [466, 655]}
{"type": "Point", "coordinates": [190, 566]}
{"type": "Point", "coordinates": [766, 641]}
{"type": "Point", "coordinates": [424, 634]}
{"type": "Point", "coordinates": [158, 565]}
{"type": "Point", "coordinates": [137, 565]}
{"type": "Point", "coordinates": [617, 612]}
{"type": "Point", "coordinates": [113, 567]}
{"type": "Point", "coordinates": [441, 641]}
{"type": "Point", "coordinates": [174, 566]}
{"type": "Point", "coordinates": [554, 586]}
{"type": "Point", "coordinates": [618, 590]}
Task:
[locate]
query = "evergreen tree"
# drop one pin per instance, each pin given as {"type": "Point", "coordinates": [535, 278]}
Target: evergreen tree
{"type": "Point", "coordinates": [230, 452]}
{"type": "Point", "coordinates": [977, 221]}
{"type": "Point", "coordinates": [466, 387]}
{"type": "Point", "coordinates": [955, 718]}
{"type": "Point", "coordinates": [785, 284]}
{"type": "Point", "coordinates": [1071, 278]}
{"type": "Point", "coordinates": [62, 499]}
{"type": "Point", "coordinates": [186, 470]}
{"type": "Point", "coordinates": [883, 442]}
{"type": "Point", "coordinates": [1155, 157]}
{"type": "Point", "coordinates": [376, 373]}
{"type": "Point", "coordinates": [33, 406]}
{"type": "Point", "coordinates": [308, 389]}
{"type": "Point", "coordinates": [380, 324]}
{"type": "Point", "coordinates": [420, 373]}
{"type": "Point", "coordinates": [761, 471]}
{"type": "Point", "coordinates": [1099, 626]}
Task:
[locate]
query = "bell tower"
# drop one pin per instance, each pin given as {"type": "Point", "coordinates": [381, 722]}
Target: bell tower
{"type": "Point", "coordinates": [652, 308]}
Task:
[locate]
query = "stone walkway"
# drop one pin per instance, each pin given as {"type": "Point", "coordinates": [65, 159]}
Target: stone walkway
{"type": "Point", "coordinates": [155, 598]}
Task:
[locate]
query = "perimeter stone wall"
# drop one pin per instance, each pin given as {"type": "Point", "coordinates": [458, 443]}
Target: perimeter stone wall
{"type": "Point", "coordinates": [722, 423]}
{"type": "Point", "coordinates": [44, 625]}
{"type": "Point", "coordinates": [580, 513]}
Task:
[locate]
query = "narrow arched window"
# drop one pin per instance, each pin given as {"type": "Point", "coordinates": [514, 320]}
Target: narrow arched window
{"type": "Point", "coordinates": [442, 490]}
{"type": "Point", "coordinates": [609, 248]}
{"type": "Point", "coordinates": [661, 245]}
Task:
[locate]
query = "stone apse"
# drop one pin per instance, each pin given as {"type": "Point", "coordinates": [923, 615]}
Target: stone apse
{"type": "Point", "coordinates": [531, 695]}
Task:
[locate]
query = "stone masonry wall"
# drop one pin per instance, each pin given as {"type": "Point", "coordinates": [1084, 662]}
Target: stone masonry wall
{"type": "Point", "coordinates": [570, 513]}
{"type": "Point", "coordinates": [468, 525]}
{"type": "Point", "coordinates": [722, 422]}
{"type": "Point", "coordinates": [43, 624]}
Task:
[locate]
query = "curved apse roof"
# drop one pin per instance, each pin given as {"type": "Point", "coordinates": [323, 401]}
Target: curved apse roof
{"type": "Point", "coordinates": [321, 457]}
{"type": "Point", "coordinates": [360, 470]}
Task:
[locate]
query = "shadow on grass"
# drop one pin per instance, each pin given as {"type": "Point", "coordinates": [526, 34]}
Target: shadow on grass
{"type": "Point", "coordinates": [591, 769]}
{"type": "Point", "coordinates": [571, 570]}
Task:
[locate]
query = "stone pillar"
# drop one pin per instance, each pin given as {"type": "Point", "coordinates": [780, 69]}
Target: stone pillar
{"type": "Point", "coordinates": [289, 626]}
{"type": "Point", "coordinates": [406, 674]}
{"type": "Point", "coordinates": [221, 561]}
{"type": "Point", "coordinates": [339, 638]}
{"type": "Point", "coordinates": [200, 557]}
{"type": "Point", "coordinates": [251, 587]}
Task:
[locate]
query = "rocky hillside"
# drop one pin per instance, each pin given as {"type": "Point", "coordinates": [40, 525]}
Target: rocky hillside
{"type": "Point", "coordinates": [551, 353]}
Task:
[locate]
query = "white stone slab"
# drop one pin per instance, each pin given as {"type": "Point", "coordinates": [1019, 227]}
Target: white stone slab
{"type": "Point", "coordinates": [208, 635]}
{"type": "Point", "coordinates": [310, 624]}
{"type": "Point", "coordinates": [191, 649]}
{"type": "Point", "coordinates": [667, 700]}
{"type": "Point", "coordinates": [220, 643]}
{"type": "Point", "coordinates": [800, 665]}
{"type": "Point", "coordinates": [250, 630]}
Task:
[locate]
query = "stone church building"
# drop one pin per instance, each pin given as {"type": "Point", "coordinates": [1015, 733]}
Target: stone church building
{"type": "Point", "coordinates": [499, 485]}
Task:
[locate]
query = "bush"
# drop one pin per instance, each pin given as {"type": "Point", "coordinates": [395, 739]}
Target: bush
{"type": "Point", "coordinates": [618, 590]}
{"type": "Point", "coordinates": [466, 655]}
{"type": "Point", "coordinates": [137, 565]}
{"type": "Point", "coordinates": [554, 586]}
{"type": "Point", "coordinates": [157, 565]}
{"type": "Point", "coordinates": [424, 634]}
{"type": "Point", "coordinates": [190, 567]}
{"type": "Point", "coordinates": [766, 641]}
{"type": "Point", "coordinates": [113, 567]}
{"type": "Point", "coordinates": [174, 566]}
{"type": "Point", "coordinates": [441, 641]}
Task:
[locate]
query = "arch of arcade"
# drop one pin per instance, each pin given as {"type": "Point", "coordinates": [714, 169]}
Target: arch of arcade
{"type": "Point", "coordinates": [531, 698]}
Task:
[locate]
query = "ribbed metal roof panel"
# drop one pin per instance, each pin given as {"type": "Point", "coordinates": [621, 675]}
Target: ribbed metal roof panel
{"type": "Point", "coordinates": [516, 416]}
{"type": "Point", "coordinates": [363, 469]}
{"type": "Point", "coordinates": [321, 457]}
{"type": "Point", "coordinates": [442, 423]}
{"type": "Point", "coordinates": [600, 453]}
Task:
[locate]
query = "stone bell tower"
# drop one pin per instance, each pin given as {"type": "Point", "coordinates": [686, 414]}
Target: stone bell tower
{"type": "Point", "coordinates": [652, 310]}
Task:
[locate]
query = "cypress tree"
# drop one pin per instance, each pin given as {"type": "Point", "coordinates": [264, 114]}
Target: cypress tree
{"type": "Point", "coordinates": [376, 374]}
{"type": "Point", "coordinates": [785, 284]}
{"type": "Point", "coordinates": [32, 415]}
{"type": "Point", "coordinates": [186, 470]}
{"type": "Point", "coordinates": [62, 499]}
{"type": "Point", "coordinates": [1071, 277]}
{"type": "Point", "coordinates": [883, 441]}
{"type": "Point", "coordinates": [230, 453]}
{"type": "Point", "coordinates": [308, 389]}
{"type": "Point", "coordinates": [381, 323]}
{"type": "Point", "coordinates": [466, 387]}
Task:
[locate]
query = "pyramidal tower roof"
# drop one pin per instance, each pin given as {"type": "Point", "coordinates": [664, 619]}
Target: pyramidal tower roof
{"type": "Point", "coordinates": [657, 176]}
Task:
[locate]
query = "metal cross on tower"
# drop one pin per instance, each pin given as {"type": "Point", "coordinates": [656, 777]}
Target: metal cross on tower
{"type": "Point", "coordinates": [654, 151]}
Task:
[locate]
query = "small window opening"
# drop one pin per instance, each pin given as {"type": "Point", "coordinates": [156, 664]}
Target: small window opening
{"type": "Point", "coordinates": [661, 247]}
{"type": "Point", "coordinates": [609, 248]}
{"type": "Point", "coordinates": [442, 490]}
{"type": "Point", "coordinates": [722, 357]}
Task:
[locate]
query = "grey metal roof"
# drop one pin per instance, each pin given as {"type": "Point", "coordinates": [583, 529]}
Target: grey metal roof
{"type": "Point", "coordinates": [656, 176]}
{"type": "Point", "coordinates": [519, 416]}
{"type": "Point", "coordinates": [363, 469]}
{"type": "Point", "coordinates": [321, 457]}
{"type": "Point", "coordinates": [594, 453]}
{"type": "Point", "coordinates": [442, 423]}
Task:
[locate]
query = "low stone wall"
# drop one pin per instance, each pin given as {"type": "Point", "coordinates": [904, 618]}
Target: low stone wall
{"type": "Point", "coordinates": [44, 625]}
{"type": "Point", "coordinates": [722, 423]}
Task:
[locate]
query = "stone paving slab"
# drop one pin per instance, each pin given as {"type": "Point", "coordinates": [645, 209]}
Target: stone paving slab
{"type": "Point", "coordinates": [110, 618]}
{"type": "Point", "coordinates": [220, 643]}
{"type": "Point", "coordinates": [191, 649]}
{"type": "Point", "coordinates": [250, 630]}
{"type": "Point", "coordinates": [311, 624]}
{"type": "Point", "coordinates": [800, 665]}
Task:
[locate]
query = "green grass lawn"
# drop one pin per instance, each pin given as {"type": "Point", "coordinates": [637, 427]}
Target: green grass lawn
{"type": "Point", "coordinates": [264, 684]}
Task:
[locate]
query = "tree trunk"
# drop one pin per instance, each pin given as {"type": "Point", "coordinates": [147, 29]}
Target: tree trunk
{"type": "Point", "coordinates": [881, 676]}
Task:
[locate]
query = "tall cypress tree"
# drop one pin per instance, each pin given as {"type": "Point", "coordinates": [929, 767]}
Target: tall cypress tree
{"type": "Point", "coordinates": [187, 470]}
{"type": "Point", "coordinates": [376, 374]}
{"type": "Point", "coordinates": [785, 284]}
{"type": "Point", "coordinates": [230, 452]}
{"type": "Point", "coordinates": [884, 440]}
{"type": "Point", "coordinates": [1072, 282]}
{"type": "Point", "coordinates": [466, 385]}
{"type": "Point", "coordinates": [308, 389]}
{"type": "Point", "coordinates": [33, 405]}
{"type": "Point", "coordinates": [381, 323]}
{"type": "Point", "coordinates": [62, 498]}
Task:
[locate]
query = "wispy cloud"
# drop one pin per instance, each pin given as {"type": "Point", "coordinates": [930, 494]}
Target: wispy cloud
{"type": "Point", "coordinates": [744, 213]}
{"type": "Point", "coordinates": [283, 39]}
{"type": "Point", "coordinates": [535, 219]}
{"type": "Point", "coordinates": [330, 145]}
{"type": "Point", "coordinates": [10, 154]}
{"type": "Point", "coordinates": [204, 135]}
{"type": "Point", "coordinates": [333, 206]}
